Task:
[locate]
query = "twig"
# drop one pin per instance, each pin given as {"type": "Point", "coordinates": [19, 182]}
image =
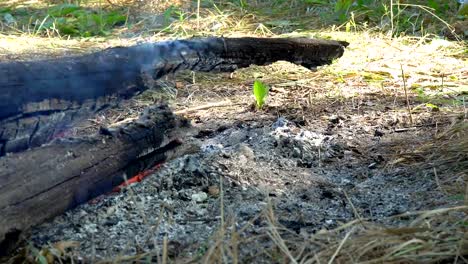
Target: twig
{"type": "Point", "coordinates": [124, 121]}
{"type": "Point", "coordinates": [207, 106]}
{"type": "Point", "coordinates": [415, 127]}
{"type": "Point", "coordinates": [340, 246]}
{"type": "Point", "coordinates": [391, 17]}
{"type": "Point", "coordinates": [466, 194]}
{"type": "Point", "coordinates": [438, 181]}
{"type": "Point", "coordinates": [404, 129]}
{"type": "Point", "coordinates": [114, 4]}
{"type": "Point", "coordinates": [406, 95]}
{"type": "Point", "coordinates": [464, 107]}
{"type": "Point", "coordinates": [275, 236]}
{"type": "Point", "coordinates": [164, 253]}
{"type": "Point", "coordinates": [221, 208]}
{"type": "Point", "coordinates": [356, 213]}
{"type": "Point", "coordinates": [221, 202]}
{"type": "Point", "coordinates": [198, 14]}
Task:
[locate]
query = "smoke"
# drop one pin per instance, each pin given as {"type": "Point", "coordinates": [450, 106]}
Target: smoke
{"type": "Point", "coordinates": [33, 93]}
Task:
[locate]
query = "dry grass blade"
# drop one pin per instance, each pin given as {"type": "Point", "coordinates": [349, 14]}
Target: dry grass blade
{"type": "Point", "coordinates": [275, 236]}
{"type": "Point", "coordinates": [408, 105]}
{"type": "Point", "coordinates": [446, 156]}
{"type": "Point", "coordinates": [340, 246]}
{"type": "Point", "coordinates": [445, 240]}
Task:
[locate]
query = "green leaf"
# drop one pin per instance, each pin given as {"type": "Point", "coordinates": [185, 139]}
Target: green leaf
{"type": "Point", "coordinates": [97, 18]}
{"type": "Point", "coordinates": [63, 10]}
{"type": "Point", "coordinates": [5, 10]}
{"type": "Point", "coordinates": [42, 260]}
{"type": "Point", "coordinates": [463, 11]}
{"type": "Point", "coordinates": [67, 29]}
{"type": "Point", "coordinates": [432, 106]}
{"type": "Point", "coordinates": [342, 6]}
{"type": "Point", "coordinates": [420, 92]}
{"type": "Point", "coordinates": [281, 23]}
{"type": "Point", "coordinates": [315, 2]}
{"type": "Point", "coordinates": [9, 18]}
{"type": "Point", "coordinates": [114, 18]}
{"type": "Point", "coordinates": [456, 197]}
{"type": "Point", "coordinates": [168, 14]}
{"type": "Point", "coordinates": [433, 4]}
{"type": "Point", "coordinates": [260, 92]}
{"type": "Point", "coordinates": [348, 27]}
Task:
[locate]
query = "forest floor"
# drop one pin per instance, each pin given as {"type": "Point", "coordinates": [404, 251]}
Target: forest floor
{"type": "Point", "coordinates": [361, 160]}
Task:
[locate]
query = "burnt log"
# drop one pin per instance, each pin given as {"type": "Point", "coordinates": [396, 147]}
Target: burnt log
{"type": "Point", "coordinates": [40, 99]}
{"type": "Point", "coordinates": [43, 182]}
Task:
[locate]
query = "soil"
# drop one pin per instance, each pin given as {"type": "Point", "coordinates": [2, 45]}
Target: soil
{"type": "Point", "coordinates": [318, 158]}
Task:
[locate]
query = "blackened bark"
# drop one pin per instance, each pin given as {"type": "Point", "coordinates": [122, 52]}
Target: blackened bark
{"type": "Point", "coordinates": [39, 99]}
{"type": "Point", "coordinates": [45, 181]}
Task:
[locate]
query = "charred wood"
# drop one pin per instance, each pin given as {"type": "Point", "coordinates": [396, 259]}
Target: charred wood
{"type": "Point", "coordinates": [40, 183]}
{"type": "Point", "coordinates": [39, 99]}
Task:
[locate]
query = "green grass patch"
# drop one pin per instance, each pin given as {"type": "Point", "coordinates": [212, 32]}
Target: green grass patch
{"type": "Point", "coordinates": [63, 20]}
{"type": "Point", "coordinates": [74, 20]}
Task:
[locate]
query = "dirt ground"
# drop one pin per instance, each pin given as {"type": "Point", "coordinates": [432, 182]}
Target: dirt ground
{"type": "Point", "coordinates": [324, 151]}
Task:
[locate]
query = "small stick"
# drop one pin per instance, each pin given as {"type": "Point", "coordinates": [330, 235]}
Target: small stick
{"type": "Point", "coordinates": [207, 106]}
{"type": "Point", "coordinates": [221, 202]}
{"type": "Point", "coordinates": [125, 121]}
{"type": "Point", "coordinates": [466, 111]}
{"type": "Point", "coordinates": [356, 213]}
{"type": "Point", "coordinates": [438, 181]}
{"type": "Point", "coordinates": [198, 14]}
{"type": "Point", "coordinates": [442, 81]}
{"type": "Point", "coordinates": [406, 94]}
{"type": "Point", "coordinates": [466, 194]}
{"type": "Point", "coordinates": [404, 129]}
{"type": "Point", "coordinates": [340, 246]}
{"type": "Point", "coordinates": [221, 208]}
{"type": "Point", "coordinates": [164, 253]}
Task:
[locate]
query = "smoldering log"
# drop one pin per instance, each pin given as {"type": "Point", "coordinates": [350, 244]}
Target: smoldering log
{"type": "Point", "coordinates": [38, 99]}
{"type": "Point", "coordinates": [43, 182]}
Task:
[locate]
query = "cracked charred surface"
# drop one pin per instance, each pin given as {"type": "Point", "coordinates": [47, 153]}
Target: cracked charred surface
{"type": "Point", "coordinates": [38, 184]}
{"type": "Point", "coordinates": [40, 99]}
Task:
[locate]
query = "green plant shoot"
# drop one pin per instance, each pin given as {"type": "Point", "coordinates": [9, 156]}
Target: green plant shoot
{"type": "Point", "coordinates": [260, 91]}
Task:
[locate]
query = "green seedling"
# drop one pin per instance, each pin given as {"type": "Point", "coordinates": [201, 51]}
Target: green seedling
{"type": "Point", "coordinates": [260, 91]}
{"type": "Point", "coordinates": [433, 107]}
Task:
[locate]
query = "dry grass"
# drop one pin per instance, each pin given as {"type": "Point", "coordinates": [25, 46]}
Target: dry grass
{"type": "Point", "coordinates": [432, 236]}
{"type": "Point", "coordinates": [446, 157]}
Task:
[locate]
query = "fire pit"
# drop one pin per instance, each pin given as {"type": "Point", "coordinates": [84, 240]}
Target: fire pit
{"type": "Point", "coordinates": [45, 170]}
